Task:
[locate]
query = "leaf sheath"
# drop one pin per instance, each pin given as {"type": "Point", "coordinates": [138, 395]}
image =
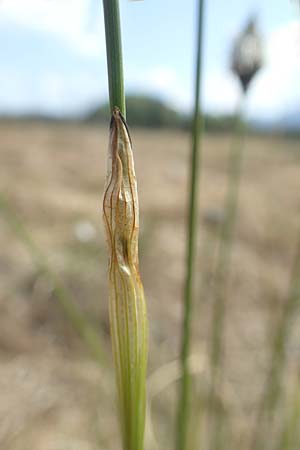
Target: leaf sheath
{"type": "Point", "coordinates": [127, 307]}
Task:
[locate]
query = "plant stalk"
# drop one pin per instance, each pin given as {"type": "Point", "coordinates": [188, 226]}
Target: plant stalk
{"type": "Point", "coordinates": [127, 306]}
{"type": "Point", "coordinates": [184, 392]}
{"type": "Point", "coordinates": [221, 277]}
{"type": "Point", "coordinates": [114, 55]}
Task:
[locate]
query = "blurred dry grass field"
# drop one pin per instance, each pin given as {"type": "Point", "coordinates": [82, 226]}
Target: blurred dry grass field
{"type": "Point", "coordinates": [53, 395]}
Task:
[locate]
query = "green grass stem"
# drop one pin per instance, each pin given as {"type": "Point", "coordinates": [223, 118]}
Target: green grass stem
{"type": "Point", "coordinates": [127, 305]}
{"type": "Point", "coordinates": [184, 392]}
{"type": "Point", "coordinates": [114, 55]}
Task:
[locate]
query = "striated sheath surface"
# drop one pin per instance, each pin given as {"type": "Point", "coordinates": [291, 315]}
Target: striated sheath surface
{"type": "Point", "coordinates": [127, 307]}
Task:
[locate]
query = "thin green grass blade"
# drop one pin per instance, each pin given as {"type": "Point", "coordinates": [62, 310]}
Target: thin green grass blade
{"type": "Point", "coordinates": [220, 281]}
{"type": "Point", "coordinates": [184, 388]}
{"type": "Point", "coordinates": [79, 322]}
{"type": "Point", "coordinates": [273, 385]}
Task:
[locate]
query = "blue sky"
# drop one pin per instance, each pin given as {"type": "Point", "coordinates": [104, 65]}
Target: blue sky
{"type": "Point", "coordinates": [53, 54]}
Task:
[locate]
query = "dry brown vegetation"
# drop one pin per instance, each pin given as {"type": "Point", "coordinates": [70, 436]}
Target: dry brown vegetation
{"type": "Point", "coordinates": [53, 395]}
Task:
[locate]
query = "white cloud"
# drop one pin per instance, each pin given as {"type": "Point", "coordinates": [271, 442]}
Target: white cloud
{"type": "Point", "coordinates": [69, 20]}
{"type": "Point", "coordinates": [274, 90]}
{"type": "Point", "coordinates": [161, 77]}
{"type": "Point", "coordinates": [51, 94]}
{"type": "Point", "coordinates": [75, 73]}
{"type": "Point", "coordinates": [51, 57]}
{"type": "Point", "coordinates": [220, 92]}
{"type": "Point", "coordinates": [277, 87]}
{"type": "Point", "coordinates": [162, 81]}
{"type": "Point", "coordinates": [283, 46]}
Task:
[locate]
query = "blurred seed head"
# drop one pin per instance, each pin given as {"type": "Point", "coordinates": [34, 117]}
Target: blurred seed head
{"type": "Point", "coordinates": [247, 54]}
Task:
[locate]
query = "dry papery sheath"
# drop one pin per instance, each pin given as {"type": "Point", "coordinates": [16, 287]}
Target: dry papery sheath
{"type": "Point", "coordinates": [127, 308]}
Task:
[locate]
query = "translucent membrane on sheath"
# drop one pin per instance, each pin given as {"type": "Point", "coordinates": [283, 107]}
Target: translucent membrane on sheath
{"type": "Point", "coordinates": [127, 307]}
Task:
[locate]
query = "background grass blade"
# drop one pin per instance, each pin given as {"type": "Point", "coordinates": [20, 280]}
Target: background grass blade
{"type": "Point", "coordinates": [273, 384]}
{"type": "Point", "coordinates": [289, 436]}
{"type": "Point", "coordinates": [80, 323]}
{"type": "Point", "coordinates": [183, 405]}
{"type": "Point", "coordinates": [221, 277]}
